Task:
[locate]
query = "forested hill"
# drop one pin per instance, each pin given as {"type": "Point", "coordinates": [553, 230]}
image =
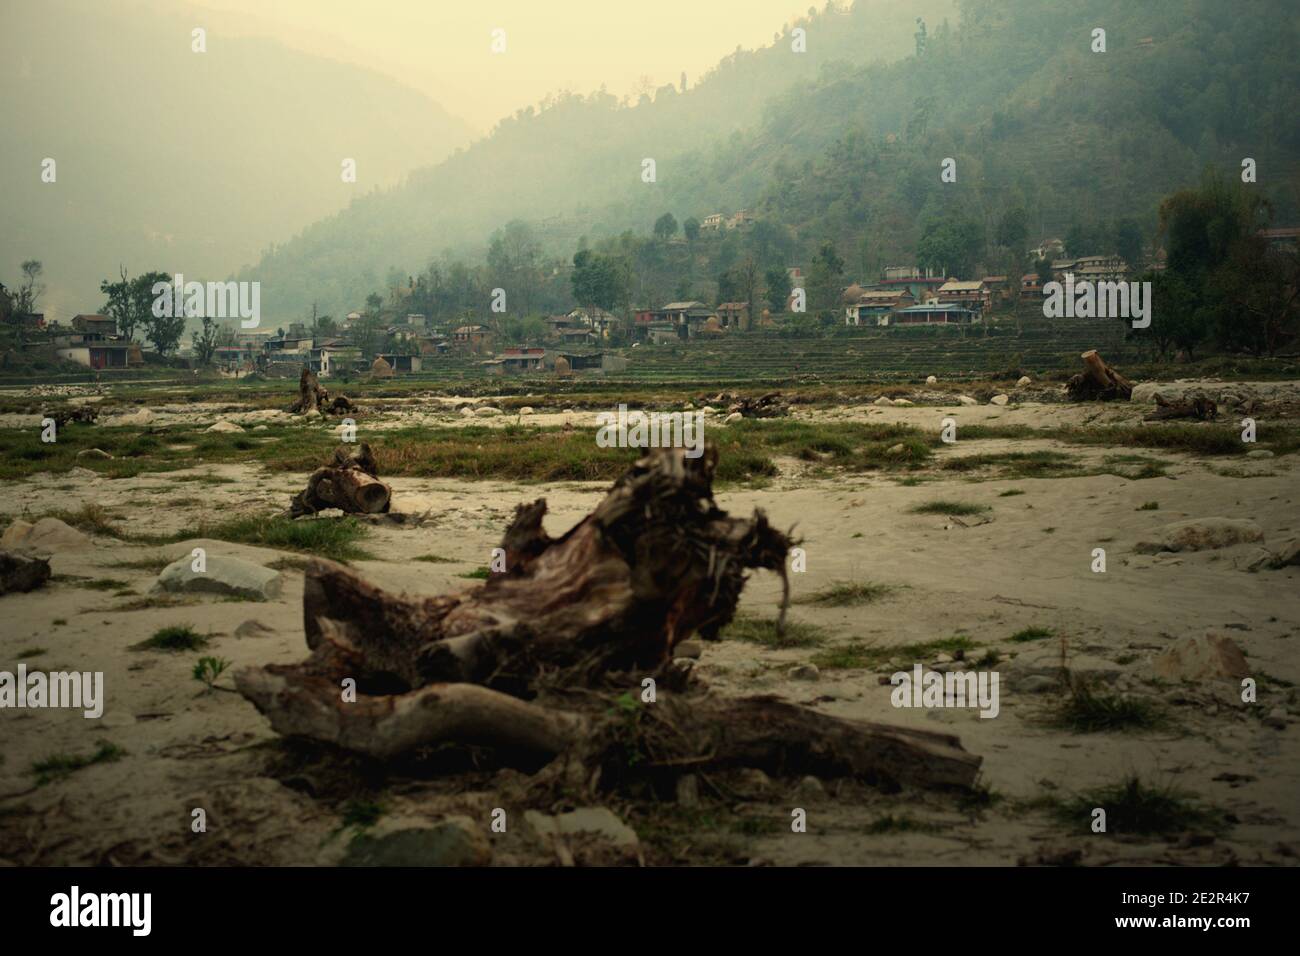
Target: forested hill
{"type": "Point", "coordinates": [831, 145]}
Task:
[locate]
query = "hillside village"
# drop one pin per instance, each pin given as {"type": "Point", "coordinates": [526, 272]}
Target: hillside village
{"type": "Point", "coordinates": [385, 341]}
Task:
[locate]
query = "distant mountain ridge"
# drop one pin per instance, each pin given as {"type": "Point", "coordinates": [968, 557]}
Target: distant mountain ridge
{"type": "Point", "coordinates": [234, 145]}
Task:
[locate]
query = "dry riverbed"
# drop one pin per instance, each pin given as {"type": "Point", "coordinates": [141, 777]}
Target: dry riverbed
{"type": "Point", "coordinates": [946, 566]}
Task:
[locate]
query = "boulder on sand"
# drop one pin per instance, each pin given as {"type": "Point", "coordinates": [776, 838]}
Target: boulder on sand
{"type": "Point", "coordinates": [1203, 534]}
{"type": "Point", "coordinates": [1211, 656]}
{"type": "Point", "coordinates": [47, 536]}
{"type": "Point", "coordinates": [220, 574]}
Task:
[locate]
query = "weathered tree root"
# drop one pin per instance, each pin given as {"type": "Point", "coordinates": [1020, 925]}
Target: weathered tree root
{"type": "Point", "coordinates": [349, 482]}
{"type": "Point", "coordinates": [1198, 406]}
{"type": "Point", "coordinates": [312, 397]}
{"type": "Point", "coordinates": [546, 660]}
{"type": "Point", "coordinates": [1098, 382]}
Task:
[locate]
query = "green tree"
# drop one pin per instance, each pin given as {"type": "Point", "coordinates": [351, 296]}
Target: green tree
{"type": "Point", "coordinates": [204, 342]}
{"type": "Point", "coordinates": [1013, 229]}
{"type": "Point", "coordinates": [824, 278]}
{"type": "Point", "coordinates": [691, 229]}
{"type": "Point", "coordinates": [777, 282]}
{"type": "Point", "coordinates": [31, 289]}
{"type": "Point", "coordinates": [665, 227]}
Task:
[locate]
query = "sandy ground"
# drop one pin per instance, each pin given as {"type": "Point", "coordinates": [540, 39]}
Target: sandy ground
{"type": "Point", "coordinates": [1029, 566]}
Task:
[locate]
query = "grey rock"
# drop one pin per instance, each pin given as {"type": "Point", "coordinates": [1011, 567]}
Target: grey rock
{"type": "Point", "coordinates": [966, 400]}
{"type": "Point", "coordinates": [1037, 684]}
{"type": "Point", "coordinates": [1202, 534]}
{"type": "Point", "coordinates": [223, 426]}
{"type": "Point", "coordinates": [486, 411]}
{"type": "Point", "coordinates": [1259, 453]}
{"type": "Point", "coordinates": [733, 417]}
{"type": "Point", "coordinates": [97, 453]}
{"type": "Point", "coordinates": [407, 841]}
{"type": "Point", "coordinates": [688, 649]}
{"type": "Point", "coordinates": [221, 575]}
{"type": "Point", "coordinates": [999, 400]}
{"type": "Point", "coordinates": [46, 536]}
{"type": "Point", "coordinates": [1210, 656]}
{"type": "Point", "coordinates": [810, 789]}
{"type": "Point", "coordinates": [598, 820]}
{"type": "Point", "coordinates": [253, 628]}
{"type": "Point", "coordinates": [1046, 662]}
{"type": "Point", "coordinates": [805, 672]}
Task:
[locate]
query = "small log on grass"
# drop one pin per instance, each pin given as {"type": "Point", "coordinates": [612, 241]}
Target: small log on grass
{"type": "Point", "coordinates": [349, 482]}
{"type": "Point", "coordinates": [546, 660]}
{"type": "Point", "coordinates": [1198, 407]}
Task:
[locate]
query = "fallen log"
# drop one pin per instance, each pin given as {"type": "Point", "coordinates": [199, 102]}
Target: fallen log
{"type": "Point", "coordinates": [546, 660]}
{"type": "Point", "coordinates": [1198, 406]}
{"type": "Point", "coordinates": [349, 482]}
{"type": "Point", "coordinates": [1098, 382]}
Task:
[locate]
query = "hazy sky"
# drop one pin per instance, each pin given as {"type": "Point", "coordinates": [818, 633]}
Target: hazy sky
{"type": "Point", "coordinates": [443, 47]}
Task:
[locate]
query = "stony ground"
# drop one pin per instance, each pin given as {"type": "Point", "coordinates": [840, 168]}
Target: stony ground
{"type": "Point", "coordinates": [1009, 587]}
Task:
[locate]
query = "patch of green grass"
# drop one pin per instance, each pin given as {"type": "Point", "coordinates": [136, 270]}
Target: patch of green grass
{"type": "Point", "coordinates": [31, 652]}
{"type": "Point", "coordinates": [858, 656]}
{"type": "Point", "coordinates": [332, 538]}
{"type": "Point", "coordinates": [1031, 634]}
{"type": "Point", "coordinates": [289, 564]}
{"type": "Point", "coordinates": [154, 564]}
{"type": "Point", "coordinates": [148, 602]}
{"type": "Point", "coordinates": [1134, 808]}
{"type": "Point", "coordinates": [1018, 464]}
{"type": "Point", "coordinates": [846, 594]}
{"type": "Point", "coordinates": [61, 765]}
{"type": "Point", "coordinates": [1010, 492]}
{"type": "Point", "coordinates": [59, 621]}
{"type": "Point", "coordinates": [942, 507]}
{"type": "Point", "coordinates": [762, 630]}
{"type": "Point", "coordinates": [208, 669]}
{"type": "Point", "coordinates": [102, 584]}
{"type": "Point", "coordinates": [434, 559]}
{"type": "Point", "coordinates": [1148, 506]}
{"type": "Point", "coordinates": [178, 637]}
{"type": "Point", "coordinates": [90, 518]}
{"type": "Point", "coordinates": [362, 813]}
{"type": "Point", "coordinates": [1086, 710]}
{"type": "Point", "coordinates": [478, 574]}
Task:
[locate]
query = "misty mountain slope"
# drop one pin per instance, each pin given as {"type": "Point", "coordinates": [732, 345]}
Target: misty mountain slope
{"type": "Point", "coordinates": [566, 163]}
{"type": "Point", "coordinates": [227, 149]}
{"type": "Point", "coordinates": [850, 151]}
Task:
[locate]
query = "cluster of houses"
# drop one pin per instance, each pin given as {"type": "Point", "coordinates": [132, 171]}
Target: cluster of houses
{"type": "Point", "coordinates": [906, 295]}
{"type": "Point", "coordinates": [89, 339]}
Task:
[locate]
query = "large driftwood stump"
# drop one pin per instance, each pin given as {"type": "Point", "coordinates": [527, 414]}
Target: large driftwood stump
{"type": "Point", "coordinates": [313, 398]}
{"type": "Point", "coordinates": [546, 659]}
{"type": "Point", "coordinates": [350, 481]}
{"type": "Point", "coordinates": [1098, 382]}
